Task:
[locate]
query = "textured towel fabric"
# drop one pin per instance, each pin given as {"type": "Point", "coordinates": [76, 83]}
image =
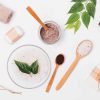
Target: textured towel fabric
{"type": "Point", "coordinates": [5, 14]}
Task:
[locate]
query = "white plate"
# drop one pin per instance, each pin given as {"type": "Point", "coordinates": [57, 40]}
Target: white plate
{"type": "Point", "coordinates": [28, 54]}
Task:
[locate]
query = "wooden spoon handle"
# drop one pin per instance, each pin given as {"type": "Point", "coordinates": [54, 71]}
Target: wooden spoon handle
{"type": "Point", "coordinates": [67, 74]}
{"type": "Point", "coordinates": [29, 9]}
{"type": "Point", "coordinates": [52, 79]}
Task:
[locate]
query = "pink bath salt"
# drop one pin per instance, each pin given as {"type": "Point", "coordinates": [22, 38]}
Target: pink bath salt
{"type": "Point", "coordinates": [51, 35]}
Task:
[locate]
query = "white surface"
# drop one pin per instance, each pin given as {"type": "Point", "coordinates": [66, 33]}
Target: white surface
{"type": "Point", "coordinates": [77, 86]}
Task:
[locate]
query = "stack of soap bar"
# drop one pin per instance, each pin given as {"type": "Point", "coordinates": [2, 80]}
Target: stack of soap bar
{"type": "Point", "coordinates": [14, 34]}
{"type": "Point", "coordinates": [5, 14]}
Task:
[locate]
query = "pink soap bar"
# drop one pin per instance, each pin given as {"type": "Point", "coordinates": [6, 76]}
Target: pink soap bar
{"type": "Point", "coordinates": [14, 34]}
{"type": "Point", "coordinates": [5, 14]}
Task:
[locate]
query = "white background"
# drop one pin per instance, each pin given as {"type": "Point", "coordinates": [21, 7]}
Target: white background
{"type": "Point", "coordinates": [78, 86]}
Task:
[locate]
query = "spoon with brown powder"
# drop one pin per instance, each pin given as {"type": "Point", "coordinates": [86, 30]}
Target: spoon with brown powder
{"type": "Point", "coordinates": [59, 61]}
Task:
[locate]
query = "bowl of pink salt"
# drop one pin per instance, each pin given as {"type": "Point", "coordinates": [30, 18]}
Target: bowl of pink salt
{"type": "Point", "coordinates": [52, 34]}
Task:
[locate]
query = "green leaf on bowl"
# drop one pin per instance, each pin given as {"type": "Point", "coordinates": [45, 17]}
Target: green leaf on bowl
{"type": "Point", "coordinates": [77, 7]}
{"type": "Point", "coordinates": [23, 67]}
{"type": "Point", "coordinates": [86, 18]}
{"type": "Point", "coordinates": [73, 18]}
{"type": "Point", "coordinates": [35, 67]}
{"type": "Point", "coordinates": [91, 9]}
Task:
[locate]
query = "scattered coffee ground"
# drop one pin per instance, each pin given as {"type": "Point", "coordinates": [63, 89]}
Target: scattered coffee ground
{"type": "Point", "coordinates": [51, 35]}
{"type": "Point", "coordinates": [60, 59]}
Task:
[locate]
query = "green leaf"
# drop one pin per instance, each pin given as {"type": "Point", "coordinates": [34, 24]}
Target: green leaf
{"type": "Point", "coordinates": [23, 67]}
{"type": "Point", "coordinates": [77, 26]}
{"type": "Point", "coordinates": [77, 7]}
{"type": "Point", "coordinates": [34, 67]}
{"type": "Point", "coordinates": [91, 9]}
{"type": "Point", "coordinates": [73, 18]}
{"type": "Point", "coordinates": [78, 0]}
{"type": "Point", "coordinates": [70, 26]}
{"type": "Point", "coordinates": [86, 18]}
{"type": "Point", "coordinates": [94, 1]}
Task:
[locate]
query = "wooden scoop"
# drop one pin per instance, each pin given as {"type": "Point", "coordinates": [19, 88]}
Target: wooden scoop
{"type": "Point", "coordinates": [29, 9]}
{"type": "Point", "coordinates": [59, 61]}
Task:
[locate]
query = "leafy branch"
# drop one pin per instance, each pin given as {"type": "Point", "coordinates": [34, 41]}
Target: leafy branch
{"type": "Point", "coordinates": [81, 12]}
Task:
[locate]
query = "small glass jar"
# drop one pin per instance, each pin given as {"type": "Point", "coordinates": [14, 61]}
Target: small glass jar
{"type": "Point", "coordinates": [55, 39]}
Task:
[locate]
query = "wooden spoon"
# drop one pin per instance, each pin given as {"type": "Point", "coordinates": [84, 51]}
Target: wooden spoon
{"type": "Point", "coordinates": [83, 49]}
{"type": "Point", "coordinates": [29, 9]}
{"type": "Point", "coordinates": [59, 61]}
